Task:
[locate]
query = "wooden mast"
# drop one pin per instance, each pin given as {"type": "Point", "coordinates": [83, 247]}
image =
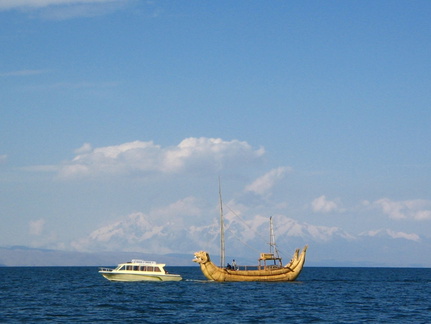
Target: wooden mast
{"type": "Point", "coordinates": [272, 245]}
{"type": "Point", "coordinates": [271, 237]}
{"type": "Point", "coordinates": [222, 248]}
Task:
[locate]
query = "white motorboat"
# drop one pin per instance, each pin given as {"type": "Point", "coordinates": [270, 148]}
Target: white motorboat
{"type": "Point", "coordinates": [139, 270]}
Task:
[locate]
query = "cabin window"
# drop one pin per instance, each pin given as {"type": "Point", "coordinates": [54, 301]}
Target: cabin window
{"type": "Point", "coordinates": [157, 269]}
{"type": "Point", "coordinates": [150, 269]}
{"type": "Point", "coordinates": [128, 267]}
{"type": "Point", "coordinates": [121, 268]}
{"type": "Point", "coordinates": [135, 268]}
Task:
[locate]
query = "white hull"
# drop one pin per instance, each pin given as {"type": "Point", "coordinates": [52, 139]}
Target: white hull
{"type": "Point", "coordinates": [112, 276]}
{"type": "Point", "coordinates": [139, 270]}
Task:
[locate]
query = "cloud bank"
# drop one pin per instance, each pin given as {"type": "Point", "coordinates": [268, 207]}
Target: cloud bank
{"type": "Point", "coordinates": [323, 205]}
{"type": "Point", "coordinates": [15, 4]}
{"type": "Point", "coordinates": [263, 185]}
{"type": "Point", "coordinates": [3, 158]}
{"type": "Point", "coordinates": [22, 73]}
{"type": "Point", "coordinates": [65, 9]}
{"type": "Point", "coordinates": [417, 209]}
{"type": "Point", "coordinates": [192, 155]}
{"type": "Point", "coordinates": [190, 224]}
{"type": "Point", "coordinates": [36, 227]}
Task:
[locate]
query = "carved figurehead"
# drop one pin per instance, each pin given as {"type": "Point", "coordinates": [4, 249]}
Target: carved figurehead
{"type": "Point", "coordinates": [201, 257]}
{"type": "Point", "coordinates": [209, 269]}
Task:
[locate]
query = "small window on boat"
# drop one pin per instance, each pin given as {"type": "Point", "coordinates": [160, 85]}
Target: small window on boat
{"type": "Point", "coordinates": [121, 268]}
{"type": "Point", "coordinates": [150, 269]}
{"type": "Point", "coordinates": [129, 267]}
{"type": "Point", "coordinates": [136, 268]}
{"type": "Point", "coordinates": [157, 269]}
{"type": "Point", "coordinates": [142, 268]}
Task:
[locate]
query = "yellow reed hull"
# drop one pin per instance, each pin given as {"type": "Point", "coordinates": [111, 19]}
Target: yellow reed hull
{"type": "Point", "coordinates": [288, 273]}
{"type": "Point", "coordinates": [253, 275]}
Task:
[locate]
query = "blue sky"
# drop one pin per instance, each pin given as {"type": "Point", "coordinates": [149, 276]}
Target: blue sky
{"type": "Point", "coordinates": [119, 117]}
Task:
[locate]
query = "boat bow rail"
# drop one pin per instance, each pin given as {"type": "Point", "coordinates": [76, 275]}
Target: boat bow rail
{"type": "Point", "coordinates": [143, 262]}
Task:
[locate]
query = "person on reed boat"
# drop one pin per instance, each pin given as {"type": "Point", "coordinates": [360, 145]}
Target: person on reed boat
{"type": "Point", "coordinates": [234, 266]}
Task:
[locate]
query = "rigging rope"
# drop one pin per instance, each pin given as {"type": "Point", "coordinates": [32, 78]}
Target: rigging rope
{"type": "Point", "coordinates": [249, 246]}
{"type": "Point", "coordinates": [255, 232]}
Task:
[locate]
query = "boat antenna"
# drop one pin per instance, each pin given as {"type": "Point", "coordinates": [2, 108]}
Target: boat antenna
{"type": "Point", "coordinates": [222, 248]}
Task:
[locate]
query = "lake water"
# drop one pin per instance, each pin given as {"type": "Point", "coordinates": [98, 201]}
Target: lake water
{"type": "Point", "coordinates": [326, 295]}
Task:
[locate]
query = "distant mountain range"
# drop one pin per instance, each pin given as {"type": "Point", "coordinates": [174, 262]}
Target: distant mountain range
{"type": "Point", "coordinates": [138, 236]}
{"type": "Point", "coordinates": [364, 251]}
{"type": "Point", "coordinates": [245, 239]}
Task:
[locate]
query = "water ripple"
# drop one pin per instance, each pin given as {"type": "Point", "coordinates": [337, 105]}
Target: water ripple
{"type": "Point", "coordinates": [322, 295]}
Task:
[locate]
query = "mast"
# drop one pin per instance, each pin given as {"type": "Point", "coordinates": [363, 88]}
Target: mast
{"type": "Point", "coordinates": [222, 249]}
{"type": "Point", "coordinates": [272, 245]}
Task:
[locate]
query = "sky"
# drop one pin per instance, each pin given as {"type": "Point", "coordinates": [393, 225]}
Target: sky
{"type": "Point", "coordinates": [119, 117]}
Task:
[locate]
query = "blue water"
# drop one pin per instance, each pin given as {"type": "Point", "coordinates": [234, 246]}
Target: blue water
{"type": "Point", "coordinates": [326, 295]}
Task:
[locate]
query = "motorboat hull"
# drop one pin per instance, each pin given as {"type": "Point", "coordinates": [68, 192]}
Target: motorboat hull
{"type": "Point", "coordinates": [112, 276]}
{"type": "Point", "coordinates": [139, 270]}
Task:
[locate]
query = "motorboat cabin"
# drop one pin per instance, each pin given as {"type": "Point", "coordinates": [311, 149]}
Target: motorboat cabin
{"type": "Point", "coordinates": [139, 270]}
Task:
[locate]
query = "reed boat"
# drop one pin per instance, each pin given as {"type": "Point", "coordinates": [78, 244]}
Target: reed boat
{"type": "Point", "coordinates": [270, 266]}
{"type": "Point", "coordinates": [263, 272]}
{"type": "Point", "coordinates": [139, 270]}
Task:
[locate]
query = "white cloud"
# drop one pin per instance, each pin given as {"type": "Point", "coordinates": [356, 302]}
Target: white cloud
{"type": "Point", "coordinates": [41, 168]}
{"type": "Point", "coordinates": [85, 148]}
{"type": "Point", "coordinates": [72, 85]}
{"type": "Point", "coordinates": [36, 227]}
{"type": "Point", "coordinates": [20, 73]}
{"type": "Point", "coordinates": [65, 9]}
{"type": "Point", "coordinates": [264, 184]}
{"type": "Point", "coordinates": [392, 234]}
{"type": "Point", "coordinates": [322, 205]}
{"type": "Point", "coordinates": [14, 4]}
{"type": "Point", "coordinates": [195, 155]}
{"type": "Point", "coordinates": [3, 158]}
{"type": "Point", "coordinates": [417, 209]}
